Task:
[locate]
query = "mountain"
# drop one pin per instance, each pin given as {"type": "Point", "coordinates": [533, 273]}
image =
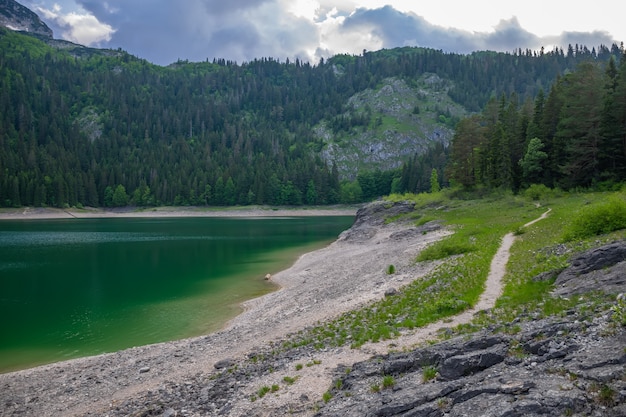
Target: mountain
{"type": "Point", "coordinates": [20, 18]}
{"type": "Point", "coordinates": [80, 125]}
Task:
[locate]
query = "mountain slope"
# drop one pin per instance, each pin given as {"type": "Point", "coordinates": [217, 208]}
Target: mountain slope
{"type": "Point", "coordinates": [17, 17]}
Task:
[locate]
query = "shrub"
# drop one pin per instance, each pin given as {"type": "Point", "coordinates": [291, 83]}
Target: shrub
{"type": "Point", "coordinates": [619, 311]}
{"type": "Point", "coordinates": [597, 219]}
{"type": "Point", "coordinates": [327, 396]}
{"type": "Point", "coordinates": [289, 380]}
{"type": "Point", "coordinates": [537, 192]}
{"type": "Point", "coordinates": [391, 269]}
{"type": "Point", "coordinates": [445, 248]}
{"type": "Point", "coordinates": [388, 381]}
{"type": "Point", "coordinates": [429, 373]}
{"type": "Point", "coordinates": [263, 390]}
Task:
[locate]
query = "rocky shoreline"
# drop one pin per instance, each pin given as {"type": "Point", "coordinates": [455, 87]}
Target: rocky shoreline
{"type": "Point", "coordinates": [567, 365]}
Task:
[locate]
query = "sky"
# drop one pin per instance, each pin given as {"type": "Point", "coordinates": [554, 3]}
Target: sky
{"type": "Point", "coordinates": [164, 31]}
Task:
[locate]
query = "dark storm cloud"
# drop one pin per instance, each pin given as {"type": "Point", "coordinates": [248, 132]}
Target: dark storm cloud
{"type": "Point", "coordinates": [589, 39]}
{"type": "Point", "coordinates": [508, 35]}
{"type": "Point", "coordinates": [398, 29]}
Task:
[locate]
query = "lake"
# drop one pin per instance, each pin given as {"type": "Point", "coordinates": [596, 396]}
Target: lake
{"type": "Point", "coordinates": [79, 287]}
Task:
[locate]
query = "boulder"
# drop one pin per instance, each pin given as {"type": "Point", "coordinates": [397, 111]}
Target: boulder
{"type": "Point", "coordinates": [598, 269]}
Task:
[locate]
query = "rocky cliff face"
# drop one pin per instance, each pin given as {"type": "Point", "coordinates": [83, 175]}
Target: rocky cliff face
{"type": "Point", "coordinates": [570, 365]}
{"type": "Point", "coordinates": [17, 17]}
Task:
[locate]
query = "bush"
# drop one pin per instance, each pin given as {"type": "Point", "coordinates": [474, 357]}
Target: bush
{"type": "Point", "coordinates": [429, 373]}
{"type": "Point", "coordinates": [388, 381]}
{"type": "Point", "coordinates": [537, 192]}
{"type": "Point", "coordinates": [619, 311]}
{"type": "Point", "coordinates": [391, 269]}
{"type": "Point", "coordinates": [598, 219]}
{"type": "Point", "coordinates": [263, 390]}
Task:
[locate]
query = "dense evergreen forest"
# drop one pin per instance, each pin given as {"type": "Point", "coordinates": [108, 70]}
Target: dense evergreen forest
{"type": "Point", "coordinates": [572, 137]}
{"type": "Point", "coordinates": [103, 128]}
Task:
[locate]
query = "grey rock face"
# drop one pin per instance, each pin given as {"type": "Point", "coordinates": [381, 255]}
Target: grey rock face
{"type": "Point", "coordinates": [578, 370]}
{"type": "Point", "coordinates": [602, 268]}
{"type": "Point", "coordinates": [372, 215]}
{"type": "Point", "coordinates": [17, 17]}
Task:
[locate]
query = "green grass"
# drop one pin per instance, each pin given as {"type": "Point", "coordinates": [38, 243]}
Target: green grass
{"type": "Point", "coordinates": [388, 381]}
{"type": "Point", "coordinates": [541, 250]}
{"type": "Point", "coordinates": [429, 373]}
{"type": "Point", "coordinates": [327, 396]}
{"type": "Point", "coordinates": [262, 391]}
{"type": "Point", "coordinates": [457, 281]}
{"type": "Point", "coordinates": [454, 245]}
{"type": "Point", "coordinates": [452, 287]}
{"type": "Point", "coordinates": [290, 380]}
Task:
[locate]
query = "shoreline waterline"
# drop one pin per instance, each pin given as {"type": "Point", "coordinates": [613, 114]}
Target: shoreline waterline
{"type": "Point", "coordinates": [248, 270]}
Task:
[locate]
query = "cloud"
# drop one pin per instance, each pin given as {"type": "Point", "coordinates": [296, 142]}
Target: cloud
{"type": "Point", "coordinates": [389, 28]}
{"type": "Point", "coordinates": [163, 31]}
{"type": "Point", "coordinates": [394, 28]}
{"type": "Point", "coordinates": [82, 28]}
{"type": "Point", "coordinates": [589, 39]}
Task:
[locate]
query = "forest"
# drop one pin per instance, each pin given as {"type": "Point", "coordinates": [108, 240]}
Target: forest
{"type": "Point", "coordinates": [103, 128]}
{"type": "Point", "coordinates": [572, 137]}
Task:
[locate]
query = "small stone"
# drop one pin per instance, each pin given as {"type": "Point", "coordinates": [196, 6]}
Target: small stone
{"type": "Point", "coordinates": [225, 363]}
{"type": "Point", "coordinates": [144, 370]}
{"type": "Point", "coordinates": [390, 292]}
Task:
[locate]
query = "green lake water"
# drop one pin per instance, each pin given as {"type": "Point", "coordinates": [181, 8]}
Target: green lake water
{"type": "Point", "coordinates": [79, 287]}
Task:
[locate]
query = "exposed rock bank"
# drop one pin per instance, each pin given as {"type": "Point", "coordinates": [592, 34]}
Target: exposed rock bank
{"type": "Point", "coordinates": [559, 366]}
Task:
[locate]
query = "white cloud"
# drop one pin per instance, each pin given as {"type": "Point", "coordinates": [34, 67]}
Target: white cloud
{"type": "Point", "coordinates": [79, 27]}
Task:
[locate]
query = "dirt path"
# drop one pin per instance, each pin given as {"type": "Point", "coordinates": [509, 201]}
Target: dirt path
{"type": "Point", "coordinates": [487, 300]}
{"type": "Point", "coordinates": [316, 380]}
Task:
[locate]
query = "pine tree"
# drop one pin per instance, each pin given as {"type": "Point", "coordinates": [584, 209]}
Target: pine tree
{"type": "Point", "coordinates": [434, 182]}
{"type": "Point", "coordinates": [579, 125]}
{"type": "Point", "coordinates": [465, 149]}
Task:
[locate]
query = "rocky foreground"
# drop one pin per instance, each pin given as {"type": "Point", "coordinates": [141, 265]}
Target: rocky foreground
{"type": "Point", "coordinates": [570, 365]}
